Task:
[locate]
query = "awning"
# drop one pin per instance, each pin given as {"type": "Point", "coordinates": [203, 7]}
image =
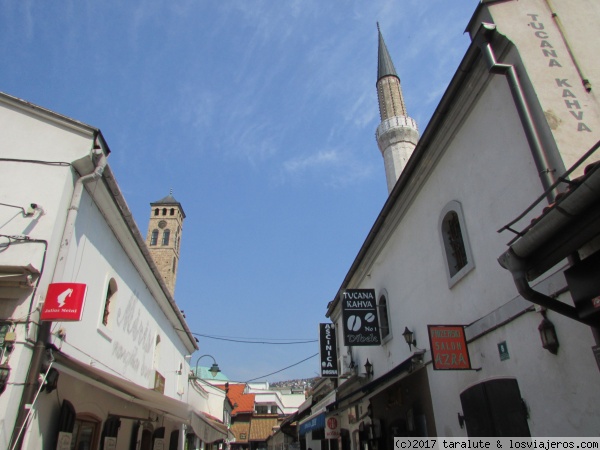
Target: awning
{"type": "Point", "coordinates": [207, 429]}
{"type": "Point", "coordinates": [311, 423]}
{"type": "Point", "coordinates": [373, 387]}
{"type": "Point", "coordinates": [204, 427]}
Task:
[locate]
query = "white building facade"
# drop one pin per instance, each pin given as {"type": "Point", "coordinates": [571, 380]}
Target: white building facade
{"type": "Point", "coordinates": [118, 377]}
{"type": "Point", "coordinates": [521, 109]}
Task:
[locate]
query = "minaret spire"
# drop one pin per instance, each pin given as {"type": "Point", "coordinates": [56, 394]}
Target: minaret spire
{"type": "Point", "coordinates": [397, 134]}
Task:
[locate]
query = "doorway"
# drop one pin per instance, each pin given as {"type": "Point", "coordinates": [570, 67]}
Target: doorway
{"type": "Point", "coordinates": [495, 408]}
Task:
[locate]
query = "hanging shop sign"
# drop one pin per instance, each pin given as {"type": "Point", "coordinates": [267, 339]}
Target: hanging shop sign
{"type": "Point", "coordinates": [329, 362]}
{"type": "Point", "coordinates": [64, 302]}
{"type": "Point", "coordinates": [332, 427]}
{"type": "Point", "coordinates": [359, 315]}
{"type": "Point", "coordinates": [449, 349]}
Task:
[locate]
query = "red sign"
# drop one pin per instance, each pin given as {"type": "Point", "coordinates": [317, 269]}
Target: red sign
{"type": "Point", "coordinates": [449, 349]}
{"type": "Point", "coordinates": [64, 302]}
{"type": "Point", "coordinates": [332, 428]}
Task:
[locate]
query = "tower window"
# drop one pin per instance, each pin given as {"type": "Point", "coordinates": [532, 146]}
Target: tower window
{"type": "Point", "coordinates": [154, 237]}
{"type": "Point", "coordinates": [156, 211]}
{"type": "Point", "coordinates": [459, 260]}
{"type": "Point", "coordinates": [172, 212]}
{"type": "Point", "coordinates": [174, 264]}
{"type": "Point", "coordinates": [164, 212]}
{"type": "Point", "coordinates": [166, 236]}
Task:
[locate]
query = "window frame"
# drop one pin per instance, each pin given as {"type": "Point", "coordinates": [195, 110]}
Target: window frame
{"type": "Point", "coordinates": [166, 237]}
{"type": "Point", "coordinates": [110, 296]}
{"type": "Point", "coordinates": [154, 237]}
{"type": "Point", "coordinates": [384, 294]}
{"type": "Point", "coordinates": [453, 278]}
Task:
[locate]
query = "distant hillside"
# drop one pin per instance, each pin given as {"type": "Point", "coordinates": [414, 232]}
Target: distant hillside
{"type": "Point", "coordinates": [296, 384]}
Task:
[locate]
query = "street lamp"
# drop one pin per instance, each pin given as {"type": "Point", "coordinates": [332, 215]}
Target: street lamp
{"type": "Point", "coordinates": [409, 338]}
{"type": "Point", "coordinates": [214, 369]}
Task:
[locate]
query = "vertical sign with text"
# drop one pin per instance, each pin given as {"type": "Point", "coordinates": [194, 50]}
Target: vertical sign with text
{"type": "Point", "coordinates": [329, 363]}
{"type": "Point", "coordinates": [359, 314]}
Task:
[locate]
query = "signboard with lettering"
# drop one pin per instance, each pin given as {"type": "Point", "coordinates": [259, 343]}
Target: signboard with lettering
{"type": "Point", "coordinates": [449, 349]}
{"type": "Point", "coordinates": [64, 302]}
{"type": "Point", "coordinates": [329, 363]}
{"type": "Point", "coordinates": [332, 427]}
{"type": "Point", "coordinates": [359, 315]}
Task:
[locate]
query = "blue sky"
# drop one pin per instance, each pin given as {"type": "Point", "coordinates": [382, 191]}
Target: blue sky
{"type": "Point", "coordinates": [260, 116]}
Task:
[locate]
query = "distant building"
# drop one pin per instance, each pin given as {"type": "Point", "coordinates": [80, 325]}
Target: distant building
{"type": "Point", "coordinates": [257, 414]}
{"type": "Point", "coordinates": [164, 237]}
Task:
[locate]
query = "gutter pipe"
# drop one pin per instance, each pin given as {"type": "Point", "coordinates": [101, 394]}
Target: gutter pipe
{"type": "Point", "coordinates": [540, 156]}
{"type": "Point", "coordinates": [43, 338]}
{"type": "Point", "coordinates": [517, 267]}
{"type": "Point", "coordinates": [509, 259]}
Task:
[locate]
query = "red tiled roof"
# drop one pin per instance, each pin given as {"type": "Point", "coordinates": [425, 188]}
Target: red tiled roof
{"type": "Point", "coordinates": [243, 403]}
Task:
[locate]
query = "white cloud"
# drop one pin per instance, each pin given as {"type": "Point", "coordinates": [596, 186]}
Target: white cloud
{"type": "Point", "coordinates": [324, 158]}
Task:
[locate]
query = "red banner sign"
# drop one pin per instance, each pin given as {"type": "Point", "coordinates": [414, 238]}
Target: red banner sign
{"type": "Point", "coordinates": [64, 302]}
{"type": "Point", "coordinates": [449, 349]}
{"type": "Point", "coordinates": [332, 427]}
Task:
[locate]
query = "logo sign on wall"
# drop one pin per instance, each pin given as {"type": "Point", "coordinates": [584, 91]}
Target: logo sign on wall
{"type": "Point", "coordinates": [332, 427]}
{"type": "Point", "coordinates": [64, 302]}
{"type": "Point", "coordinates": [449, 349]}
{"type": "Point", "coordinates": [359, 314]}
{"type": "Point", "coordinates": [329, 364]}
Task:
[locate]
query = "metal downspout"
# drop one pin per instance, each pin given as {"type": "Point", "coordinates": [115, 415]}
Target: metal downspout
{"type": "Point", "coordinates": [43, 338]}
{"type": "Point", "coordinates": [516, 266]}
{"type": "Point", "coordinates": [540, 156]}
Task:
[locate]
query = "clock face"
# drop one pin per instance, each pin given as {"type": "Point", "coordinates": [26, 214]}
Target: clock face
{"type": "Point", "coordinates": [162, 224]}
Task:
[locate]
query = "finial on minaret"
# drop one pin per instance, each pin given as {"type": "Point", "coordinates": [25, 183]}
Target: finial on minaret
{"type": "Point", "coordinates": [171, 191]}
{"type": "Point", "coordinates": [397, 134]}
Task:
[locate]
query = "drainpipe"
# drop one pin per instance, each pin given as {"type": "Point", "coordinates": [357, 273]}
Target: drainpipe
{"type": "Point", "coordinates": [43, 338]}
{"type": "Point", "coordinates": [540, 156]}
{"type": "Point", "coordinates": [517, 267]}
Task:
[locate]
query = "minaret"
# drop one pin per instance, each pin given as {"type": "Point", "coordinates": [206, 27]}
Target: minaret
{"type": "Point", "coordinates": [397, 134]}
{"type": "Point", "coordinates": [164, 237]}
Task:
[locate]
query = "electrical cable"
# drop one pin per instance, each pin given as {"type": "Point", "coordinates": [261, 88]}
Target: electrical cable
{"type": "Point", "coordinates": [250, 341]}
{"type": "Point", "coordinates": [281, 370]}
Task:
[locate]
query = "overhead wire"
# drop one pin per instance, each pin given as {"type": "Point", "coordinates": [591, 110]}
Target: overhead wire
{"type": "Point", "coordinates": [281, 370]}
{"type": "Point", "coordinates": [265, 341]}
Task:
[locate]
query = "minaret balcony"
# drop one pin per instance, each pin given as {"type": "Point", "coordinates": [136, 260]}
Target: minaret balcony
{"type": "Point", "coordinates": [395, 122]}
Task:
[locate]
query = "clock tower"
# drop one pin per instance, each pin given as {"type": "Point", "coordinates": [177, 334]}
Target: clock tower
{"type": "Point", "coordinates": [164, 237]}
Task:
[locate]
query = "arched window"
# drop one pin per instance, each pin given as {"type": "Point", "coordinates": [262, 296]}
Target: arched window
{"type": "Point", "coordinates": [156, 211]}
{"type": "Point", "coordinates": [174, 264]}
{"type": "Point", "coordinates": [166, 236]}
{"type": "Point", "coordinates": [172, 212]}
{"type": "Point", "coordinates": [111, 290]}
{"type": "Point", "coordinates": [384, 321]}
{"type": "Point", "coordinates": [457, 250]}
{"type": "Point", "coordinates": [154, 237]}
{"type": "Point", "coordinates": [164, 211]}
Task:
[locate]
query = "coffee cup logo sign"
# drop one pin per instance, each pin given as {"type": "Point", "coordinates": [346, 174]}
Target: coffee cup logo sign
{"type": "Point", "coordinates": [359, 317]}
{"type": "Point", "coordinates": [328, 346]}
